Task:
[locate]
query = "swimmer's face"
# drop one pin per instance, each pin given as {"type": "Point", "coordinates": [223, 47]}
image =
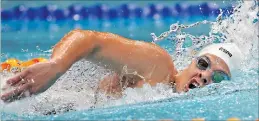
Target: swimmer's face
{"type": "Point", "coordinates": [193, 77]}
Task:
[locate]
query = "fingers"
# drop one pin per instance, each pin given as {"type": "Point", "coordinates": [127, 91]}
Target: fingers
{"type": "Point", "coordinates": [17, 78]}
{"type": "Point", "coordinates": [17, 93]}
{"type": "Point", "coordinates": [21, 82]}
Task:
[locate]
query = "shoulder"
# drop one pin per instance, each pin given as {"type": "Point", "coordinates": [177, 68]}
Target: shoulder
{"type": "Point", "coordinates": [158, 51]}
{"type": "Point", "coordinates": [165, 59]}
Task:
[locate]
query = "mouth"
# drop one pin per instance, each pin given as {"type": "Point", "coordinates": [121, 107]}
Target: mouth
{"type": "Point", "coordinates": [192, 84]}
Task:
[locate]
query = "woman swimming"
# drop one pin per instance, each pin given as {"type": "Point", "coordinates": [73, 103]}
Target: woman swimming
{"type": "Point", "coordinates": [148, 63]}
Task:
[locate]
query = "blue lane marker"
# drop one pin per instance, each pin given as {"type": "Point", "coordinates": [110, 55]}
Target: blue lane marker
{"type": "Point", "coordinates": [43, 12]}
{"type": "Point", "coordinates": [49, 12]}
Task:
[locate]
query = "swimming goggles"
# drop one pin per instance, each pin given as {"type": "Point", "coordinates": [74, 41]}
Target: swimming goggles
{"type": "Point", "coordinates": [203, 63]}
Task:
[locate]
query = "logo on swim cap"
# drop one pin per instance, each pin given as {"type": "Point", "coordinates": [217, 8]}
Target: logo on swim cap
{"type": "Point", "coordinates": [229, 52]}
{"type": "Point", "coordinates": [225, 51]}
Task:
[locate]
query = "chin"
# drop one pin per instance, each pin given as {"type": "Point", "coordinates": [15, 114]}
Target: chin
{"type": "Point", "coordinates": [180, 87]}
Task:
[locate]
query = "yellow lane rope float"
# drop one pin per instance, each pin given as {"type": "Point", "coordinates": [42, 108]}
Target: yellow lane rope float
{"type": "Point", "coordinates": [15, 65]}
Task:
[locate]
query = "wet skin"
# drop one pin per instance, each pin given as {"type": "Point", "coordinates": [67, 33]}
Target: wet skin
{"type": "Point", "coordinates": [146, 63]}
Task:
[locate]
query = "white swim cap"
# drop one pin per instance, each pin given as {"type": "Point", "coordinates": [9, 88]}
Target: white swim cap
{"type": "Point", "coordinates": [229, 52]}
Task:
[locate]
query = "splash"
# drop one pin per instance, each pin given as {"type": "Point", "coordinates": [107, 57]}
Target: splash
{"type": "Point", "coordinates": [75, 90]}
{"type": "Point", "coordinates": [240, 28]}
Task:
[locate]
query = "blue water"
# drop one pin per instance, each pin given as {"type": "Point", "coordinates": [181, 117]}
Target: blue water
{"type": "Point", "coordinates": [45, 34]}
{"type": "Point", "coordinates": [215, 102]}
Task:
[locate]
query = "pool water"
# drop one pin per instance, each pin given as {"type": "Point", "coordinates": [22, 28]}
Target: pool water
{"type": "Point", "coordinates": [72, 97]}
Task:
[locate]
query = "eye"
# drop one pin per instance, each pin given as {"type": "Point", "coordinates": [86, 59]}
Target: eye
{"type": "Point", "coordinates": [203, 64]}
{"type": "Point", "coordinates": [218, 76]}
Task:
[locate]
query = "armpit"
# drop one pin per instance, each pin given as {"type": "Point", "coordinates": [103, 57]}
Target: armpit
{"type": "Point", "coordinates": [129, 80]}
{"type": "Point", "coordinates": [113, 85]}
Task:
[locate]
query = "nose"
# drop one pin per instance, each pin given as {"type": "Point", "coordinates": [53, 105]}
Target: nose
{"type": "Point", "coordinates": [204, 78]}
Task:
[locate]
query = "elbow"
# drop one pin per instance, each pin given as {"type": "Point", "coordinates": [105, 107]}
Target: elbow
{"type": "Point", "coordinates": [81, 33]}
{"type": "Point", "coordinates": [86, 35]}
{"type": "Point", "coordinates": [75, 35]}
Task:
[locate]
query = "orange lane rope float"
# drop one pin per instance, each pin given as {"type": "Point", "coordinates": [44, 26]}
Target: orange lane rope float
{"type": "Point", "coordinates": [14, 65]}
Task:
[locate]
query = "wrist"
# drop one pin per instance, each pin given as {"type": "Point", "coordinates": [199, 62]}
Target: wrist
{"type": "Point", "coordinates": [58, 66]}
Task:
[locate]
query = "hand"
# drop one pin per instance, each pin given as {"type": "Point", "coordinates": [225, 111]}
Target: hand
{"type": "Point", "coordinates": [34, 79]}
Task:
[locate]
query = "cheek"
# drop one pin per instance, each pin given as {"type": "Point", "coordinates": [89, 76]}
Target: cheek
{"type": "Point", "coordinates": [192, 71]}
{"type": "Point", "coordinates": [186, 75]}
{"type": "Point", "coordinates": [182, 80]}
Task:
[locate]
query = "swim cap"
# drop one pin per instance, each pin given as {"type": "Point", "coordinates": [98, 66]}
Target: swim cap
{"type": "Point", "coordinates": [229, 52]}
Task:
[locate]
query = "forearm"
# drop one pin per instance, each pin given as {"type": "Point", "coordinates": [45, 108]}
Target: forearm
{"type": "Point", "coordinates": [72, 47]}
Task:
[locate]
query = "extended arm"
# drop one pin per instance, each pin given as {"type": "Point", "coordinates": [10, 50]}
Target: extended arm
{"type": "Point", "coordinates": [72, 47]}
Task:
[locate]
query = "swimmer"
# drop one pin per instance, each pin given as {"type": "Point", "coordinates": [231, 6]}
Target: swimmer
{"type": "Point", "coordinates": [134, 63]}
